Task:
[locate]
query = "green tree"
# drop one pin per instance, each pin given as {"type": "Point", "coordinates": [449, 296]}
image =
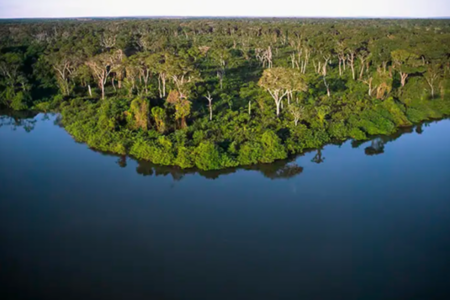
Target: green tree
{"type": "Point", "coordinates": [405, 63]}
{"type": "Point", "coordinates": [280, 82]}
{"type": "Point", "coordinates": [160, 118]}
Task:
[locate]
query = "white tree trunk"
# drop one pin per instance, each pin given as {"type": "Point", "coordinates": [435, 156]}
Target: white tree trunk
{"type": "Point", "coordinates": [403, 78]}
{"type": "Point", "coordinates": [327, 86]}
{"type": "Point", "coordinates": [103, 91]}
{"type": "Point", "coordinates": [210, 111]}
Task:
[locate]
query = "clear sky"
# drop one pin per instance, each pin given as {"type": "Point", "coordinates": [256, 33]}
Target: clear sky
{"type": "Point", "coordinates": [300, 8]}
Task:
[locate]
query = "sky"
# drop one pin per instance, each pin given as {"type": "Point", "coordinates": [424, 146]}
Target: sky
{"type": "Point", "coordinates": [264, 8]}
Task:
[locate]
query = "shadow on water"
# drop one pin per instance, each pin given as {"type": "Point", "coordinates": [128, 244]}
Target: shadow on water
{"type": "Point", "coordinates": [281, 169]}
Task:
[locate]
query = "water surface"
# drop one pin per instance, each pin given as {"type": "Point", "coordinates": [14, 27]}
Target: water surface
{"type": "Point", "coordinates": [353, 221]}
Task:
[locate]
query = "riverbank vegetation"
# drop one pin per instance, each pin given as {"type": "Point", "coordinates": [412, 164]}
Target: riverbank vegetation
{"type": "Point", "coordinates": [212, 94]}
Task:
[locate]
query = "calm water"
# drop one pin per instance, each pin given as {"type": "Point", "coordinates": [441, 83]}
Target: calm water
{"type": "Point", "coordinates": [355, 221]}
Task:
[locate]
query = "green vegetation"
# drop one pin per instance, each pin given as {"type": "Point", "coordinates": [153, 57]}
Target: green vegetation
{"type": "Point", "coordinates": [215, 94]}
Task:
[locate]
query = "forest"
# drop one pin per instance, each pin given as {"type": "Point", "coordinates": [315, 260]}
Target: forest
{"type": "Point", "coordinates": [220, 93]}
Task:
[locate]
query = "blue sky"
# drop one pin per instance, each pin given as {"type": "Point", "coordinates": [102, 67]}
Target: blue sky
{"type": "Point", "coordinates": [309, 8]}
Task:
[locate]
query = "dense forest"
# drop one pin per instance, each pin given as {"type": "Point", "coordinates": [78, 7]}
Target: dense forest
{"type": "Point", "coordinates": [219, 93]}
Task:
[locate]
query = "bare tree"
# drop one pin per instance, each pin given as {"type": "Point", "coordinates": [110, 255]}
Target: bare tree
{"type": "Point", "coordinates": [210, 99]}
{"type": "Point", "coordinates": [340, 49]}
{"type": "Point", "coordinates": [363, 56]}
{"type": "Point", "coordinates": [432, 74]}
{"type": "Point", "coordinates": [369, 81]}
{"type": "Point", "coordinates": [222, 57]}
{"type": "Point", "coordinates": [351, 61]}
{"type": "Point", "coordinates": [300, 59]}
{"type": "Point", "coordinates": [264, 56]}
{"type": "Point", "coordinates": [108, 40]}
{"type": "Point", "coordinates": [324, 74]}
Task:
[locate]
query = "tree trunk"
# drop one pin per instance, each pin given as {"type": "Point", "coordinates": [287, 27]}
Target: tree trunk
{"type": "Point", "coordinates": [277, 98]}
{"type": "Point", "coordinates": [351, 60]}
{"type": "Point", "coordinates": [353, 70]}
{"type": "Point", "coordinates": [210, 111]}
{"type": "Point", "coordinates": [164, 86]}
{"type": "Point", "coordinates": [327, 86]}
{"type": "Point", "coordinates": [249, 107]}
{"type": "Point", "coordinates": [403, 77]}
{"type": "Point", "coordinates": [103, 91]}
{"type": "Point", "coordinates": [89, 89]}
{"type": "Point", "coordinates": [306, 61]}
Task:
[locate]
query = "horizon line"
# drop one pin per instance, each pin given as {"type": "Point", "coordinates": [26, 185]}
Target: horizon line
{"type": "Point", "coordinates": [228, 17]}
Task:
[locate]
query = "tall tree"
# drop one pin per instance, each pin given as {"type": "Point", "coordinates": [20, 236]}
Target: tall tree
{"type": "Point", "coordinates": [102, 65]}
{"type": "Point", "coordinates": [432, 75]}
{"type": "Point", "coordinates": [280, 82]}
{"type": "Point", "coordinates": [405, 63]}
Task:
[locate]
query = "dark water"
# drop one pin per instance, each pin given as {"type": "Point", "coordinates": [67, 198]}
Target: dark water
{"type": "Point", "coordinates": [355, 221]}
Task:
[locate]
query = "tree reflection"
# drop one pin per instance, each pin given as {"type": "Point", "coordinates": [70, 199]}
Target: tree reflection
{"type": "Point", "coordinates": [318, 158]}
{"type": "Point", "coordinates": [18, 119]}
{"type": "Point", "coordinates": [284, 169]}
{"type": "Point", "coordinates": [376, 147]}
{"type": "Point", "coordinates": [378, 142]}
{"type": "Point", "coordinates": [280, 171]}
{"type": "Point", "coordinates": [419, 129]}
{"type": "Point", "coordinates": [122, 161]}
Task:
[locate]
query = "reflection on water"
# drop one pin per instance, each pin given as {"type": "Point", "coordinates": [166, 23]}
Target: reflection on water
{"type": "Point", "coordinates": [282, 169]}
{"type": "Point", "coordinates": [18, 119]}
{"type": "Point", "coordinates": [318, 158]}
{"type": "Point", "coordinates": [75, 224]}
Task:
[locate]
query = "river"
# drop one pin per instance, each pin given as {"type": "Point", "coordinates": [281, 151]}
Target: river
{"type": "Point", "coordinates": [354, 221]}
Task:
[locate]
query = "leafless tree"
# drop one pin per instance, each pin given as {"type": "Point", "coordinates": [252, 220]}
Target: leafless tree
{"type": "Point", "coordinates": [351, 61]}
{"type": "Point", "coordinates": [210, 99]}
{"type": "Point", "coordinates": [431, 76]}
